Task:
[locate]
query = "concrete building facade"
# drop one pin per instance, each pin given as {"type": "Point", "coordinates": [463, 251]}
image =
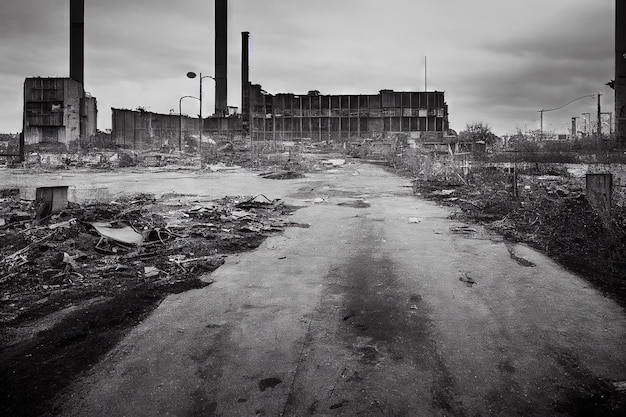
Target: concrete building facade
{"type": "Point", "coordinates": [55, 109]}
{"type": "Point", "coordinates": [286, 116]}
{"type": "Point", "coordinates": [335, 117]}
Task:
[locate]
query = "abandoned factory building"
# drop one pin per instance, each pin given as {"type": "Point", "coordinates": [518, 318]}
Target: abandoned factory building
{"type": "Point", "coordinates": [336, 117]}
{"type": "Point", "coordinates": [285, 116]}
{"type": "Point", "coordinates": [57, 110]}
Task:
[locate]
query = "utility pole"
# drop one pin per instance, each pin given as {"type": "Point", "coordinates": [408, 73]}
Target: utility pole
{"type": "Point", "coordinates": [620, 71]}
{"type": "Point", "coordinates": [560, 107]}
{"type": "Point", "coordinates": [599, 116]}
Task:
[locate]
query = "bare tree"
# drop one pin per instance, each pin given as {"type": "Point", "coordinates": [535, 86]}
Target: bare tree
{"type": "Point", "coordinates": [477, 131]}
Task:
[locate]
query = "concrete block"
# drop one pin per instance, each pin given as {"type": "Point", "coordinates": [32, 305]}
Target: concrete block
{"type": "Point", "coordinates": [54, 197]}
{"type": "Point", "coordinates": [599, 188]}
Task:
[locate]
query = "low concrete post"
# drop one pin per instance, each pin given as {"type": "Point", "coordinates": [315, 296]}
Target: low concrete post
{"type": "Point", "coordinates": [50, 200]}
{"type": "Point", "coordinates": [599, 189]}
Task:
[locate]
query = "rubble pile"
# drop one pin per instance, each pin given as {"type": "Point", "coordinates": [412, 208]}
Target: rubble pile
{"type": "Point", "coordinates": [105, 249]}
{"type": "Point", "coordinates": [550, 213]}
{"type": "Point", "coordinates": [571, 232]}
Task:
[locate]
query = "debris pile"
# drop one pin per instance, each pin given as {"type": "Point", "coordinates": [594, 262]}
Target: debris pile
{"type": "Point", "coordinates": [106, 249]}
{"type": "Point", "coordinates": [551, 213]}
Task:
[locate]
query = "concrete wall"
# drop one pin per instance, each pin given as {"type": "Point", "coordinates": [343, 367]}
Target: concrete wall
{"type": "Point", "coordinates": [141, 130]}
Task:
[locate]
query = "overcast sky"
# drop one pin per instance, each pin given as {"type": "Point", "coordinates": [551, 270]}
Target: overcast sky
{"type": "Point", "coordinates": [498, 61]}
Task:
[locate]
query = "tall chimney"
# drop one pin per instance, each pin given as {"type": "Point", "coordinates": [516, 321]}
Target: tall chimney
{"type": "Point", "coordinates": [620, 70]}
{"type": "Point", "coordinates": [221, 57]}
{"type": "Point", "coordinates": [245, 77]}
{"type": "Point", "coordinates": [77, 40]}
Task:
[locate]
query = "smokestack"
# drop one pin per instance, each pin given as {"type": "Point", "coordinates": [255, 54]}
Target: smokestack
{"type": "Point", "coordinates": [245, 76]}
{"type": "Point", "coordinates": [77, 40]}
{"type": "Point", "coordinates": [620, 70]}
{"type": "Point", "coordinates": [221, 57]}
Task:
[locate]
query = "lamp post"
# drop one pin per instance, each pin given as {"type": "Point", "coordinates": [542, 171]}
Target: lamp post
{"type": "Point", "coordinates": [180, 120]}
{"type": "Point", "coordinates": [192, 74]}
{"type": "Point", "coordinates": [557, 108]}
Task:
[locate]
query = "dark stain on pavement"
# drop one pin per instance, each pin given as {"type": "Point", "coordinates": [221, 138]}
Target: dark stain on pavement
{"type": "Point", "coordinates": [202, 406]}
{"type": "Point", "coordinates": [415, 298]}
{"type": "Point", "coordinates": [392, 327]}
{"type": "Point", "coordinates": [355, 204]}
{"type": "Point", "coordinates": [373, 300]}
{"type": "Point", "coordinates": [586, 395]}
{"type": "Point", "coordinates": [268, 383]}
{"type": "Point", "coordinates": [521, 261]}
{"type": "Point", "coordinates": [338, 405]}
{"type": "Point", "coordinates": [506, 366]}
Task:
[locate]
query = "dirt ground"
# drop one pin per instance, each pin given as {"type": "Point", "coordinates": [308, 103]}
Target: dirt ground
{"type": "Point", "coordinates": [551, 214]}
{"type": "Point", "coordinates": [383, 306]}
{"type": "Point", "coordinates": [68, 293]}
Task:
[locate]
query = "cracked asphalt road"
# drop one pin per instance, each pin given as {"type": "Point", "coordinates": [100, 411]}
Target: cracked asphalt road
{"type": "Point", "coordinates": [386, 309]}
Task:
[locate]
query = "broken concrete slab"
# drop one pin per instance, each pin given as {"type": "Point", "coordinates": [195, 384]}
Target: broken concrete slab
{"type": "Point", "coordinates": [126, 234]}
{"type": "Point", "coordinates": [334, 162]}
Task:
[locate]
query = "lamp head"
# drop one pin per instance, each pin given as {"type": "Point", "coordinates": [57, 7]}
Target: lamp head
{"type": "Point", "coordinates": [191, 74]}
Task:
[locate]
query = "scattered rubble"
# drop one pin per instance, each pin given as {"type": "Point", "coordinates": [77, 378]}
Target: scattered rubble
{"type": "Point", "coordinates": [73, 283]}
{"type": "Point", "coordinates": [100, 249]}
{"type": "Point", "coordinates": [550, 213]}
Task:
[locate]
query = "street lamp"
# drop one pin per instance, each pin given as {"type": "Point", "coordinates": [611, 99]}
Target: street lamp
{"type": "Point", "coordinates": [180, 120]}
{"type": "Point", "coordinates": [192, 74]}
{"type": "Point", "coordinates": [557, 108]}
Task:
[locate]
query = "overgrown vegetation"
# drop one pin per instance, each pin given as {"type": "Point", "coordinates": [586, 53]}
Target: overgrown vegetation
{"type": "Point", "coordinates": [549, 212]}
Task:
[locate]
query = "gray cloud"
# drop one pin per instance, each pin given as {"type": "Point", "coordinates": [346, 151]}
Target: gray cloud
{"type": "Point", "coordinates": [497, 61]}
{"type": "Point", "coordinates": [542, 68]}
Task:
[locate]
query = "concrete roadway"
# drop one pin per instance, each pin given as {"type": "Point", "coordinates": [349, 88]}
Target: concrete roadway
{"type": "Point", "coordinates": [364, 313]}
